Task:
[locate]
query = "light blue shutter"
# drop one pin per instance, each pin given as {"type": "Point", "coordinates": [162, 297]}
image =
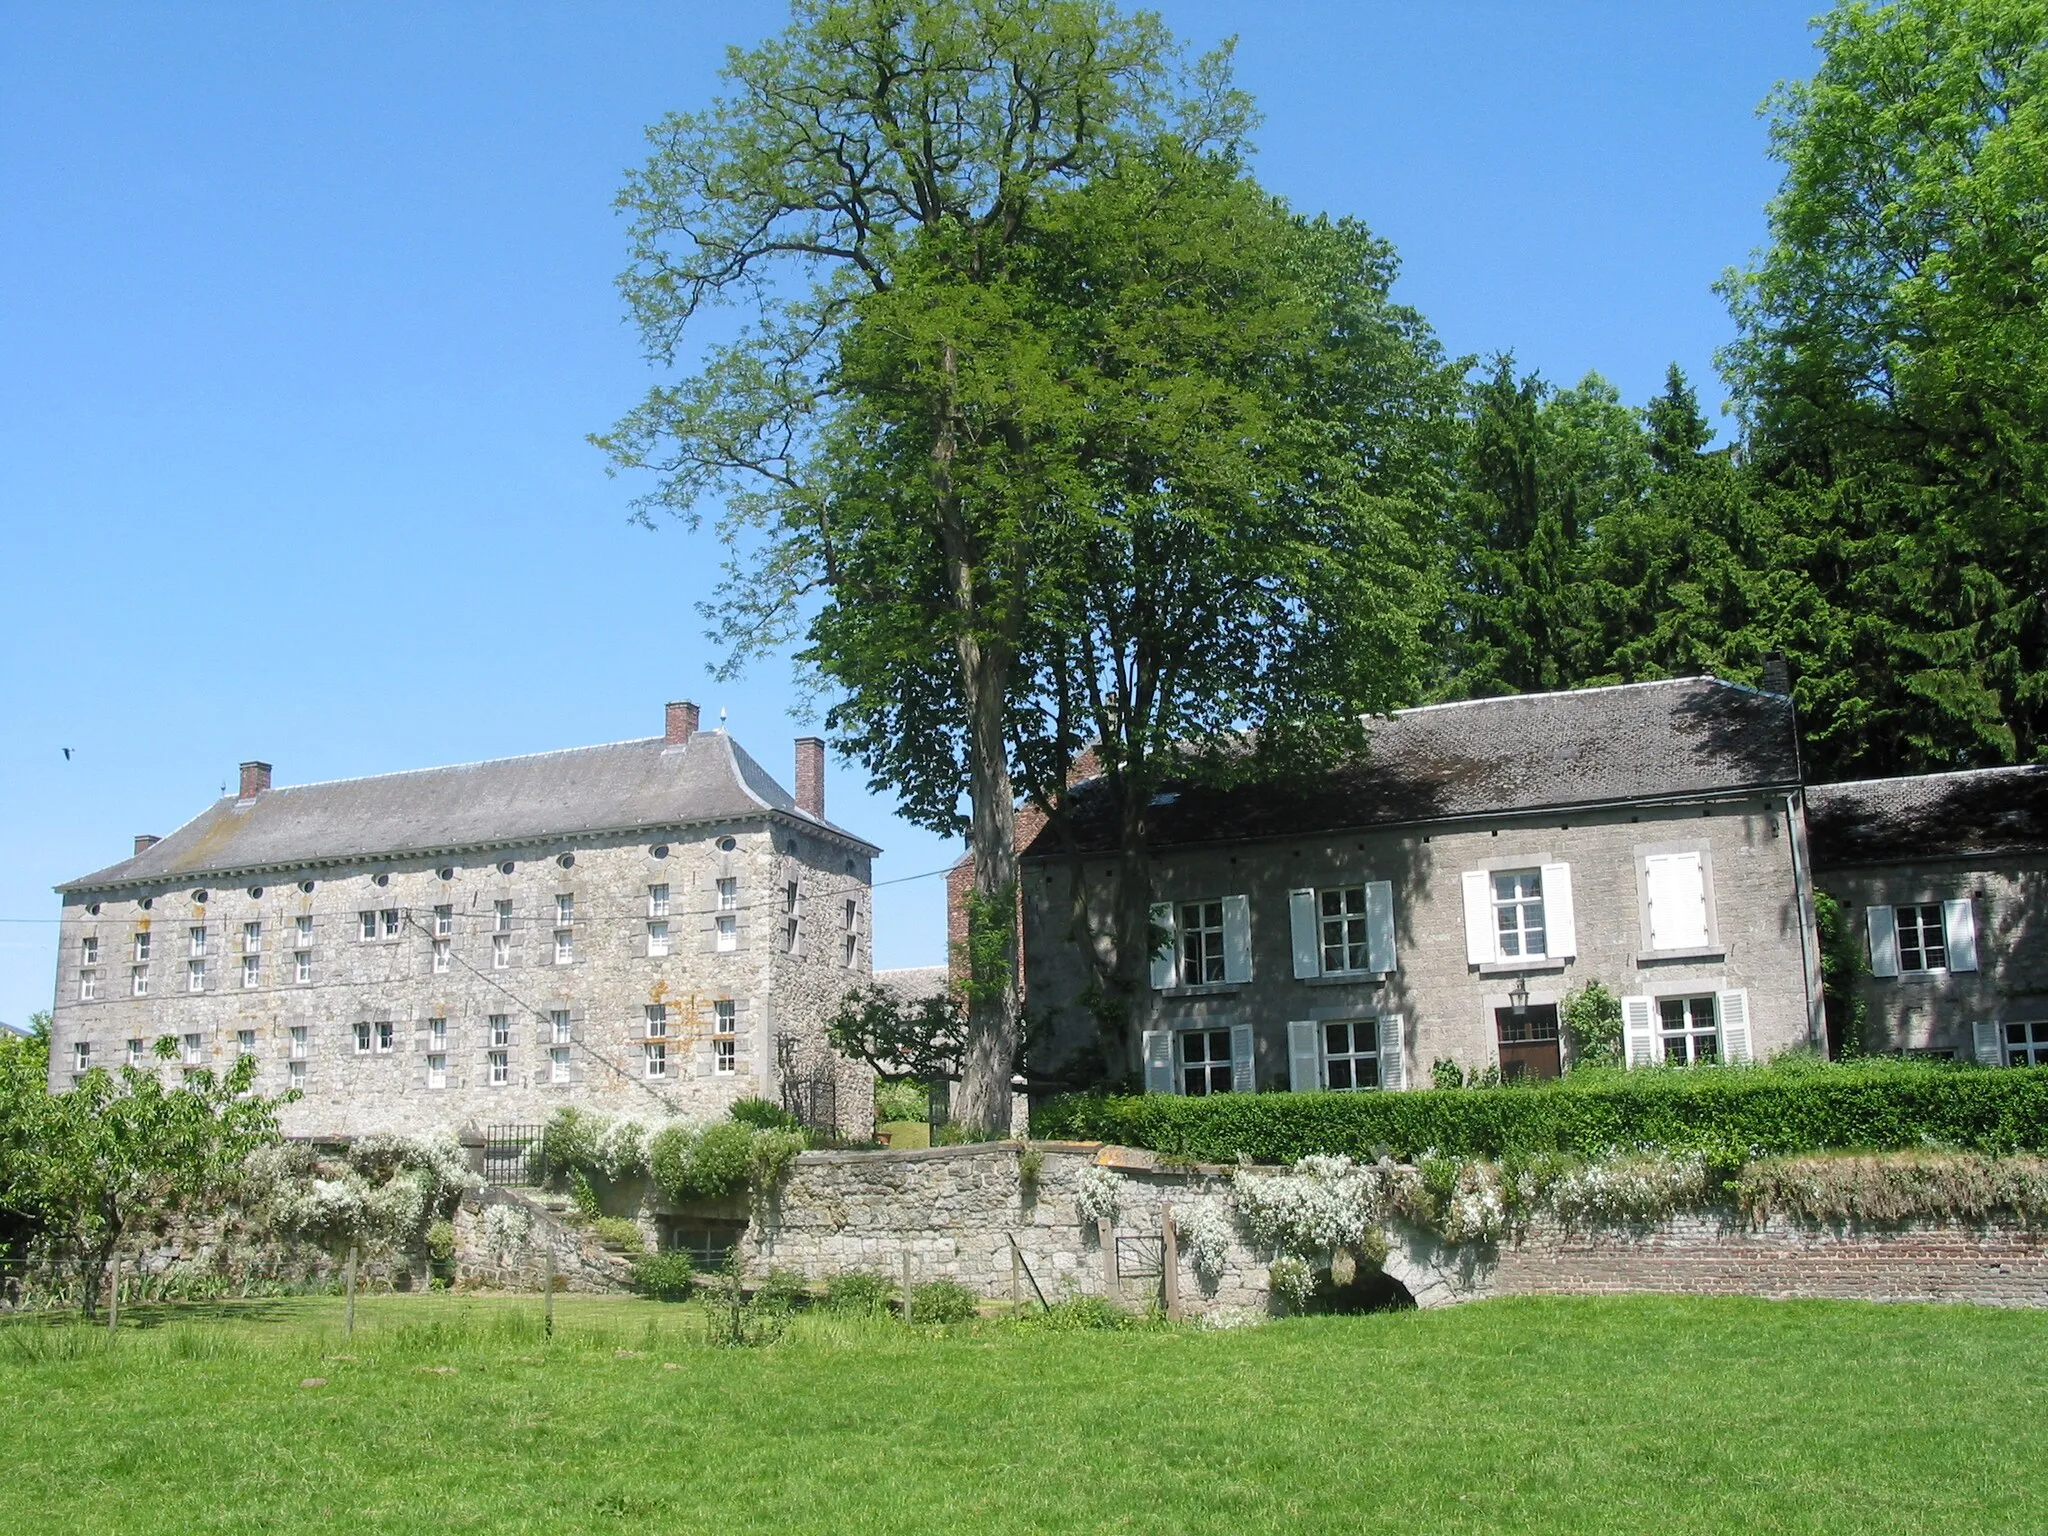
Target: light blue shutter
{"type": "Point", "coordinates": [1159, 1061]}
{"type": "Point", "coordinates": [1379, 926]}
{"type": "Point", "coordinates": [1242, 1079]}
{"type": "Point", "coordinates": [1959, 925]}
{"type": "Point", "coordinates": [1304, 1055]}
{"type": "Point", "coordinates": [1987, 1043]}
{"type": "Point", "coordinates": [1166, 958]}
{"type": "Point", "coordinates": [1393, 1052]}
{"type": "Point", "coordinates": [1237, 938]}
{"type": "Point", "coordinates": [1308, 944]}
{"type": "Point", "coordinates": [1884, 940]}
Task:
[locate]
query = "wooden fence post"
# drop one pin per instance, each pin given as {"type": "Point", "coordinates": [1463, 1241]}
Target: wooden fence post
{"type": "Point", "coordinates": [114, 1293]}
{"type": "Point", "coordinates": [1016, 1280]}
{"type": "Point", "coordinates": [1169, 1262]}
{"type": "Point", "coordinates": [348, 1311]}
{"type": "Point", "coordinates": [1105, 1237]}
{"type": "Point", "coordinates": [906, 1285]}
{"type": "Point", "coordinates": [548, 1325]}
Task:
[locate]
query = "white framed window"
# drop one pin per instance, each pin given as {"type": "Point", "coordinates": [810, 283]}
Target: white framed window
{"type": "Point", "coordinates": [728, 894]}
{"type": "Point", "coordinates": [1207, 1063]}
{"type": "Point", "coordinates": [724, 1016]}
{"type": "Point", "coordinates": [1201, 942]}
{"type": "Point", "coordinates": [386, 1037]}
{"type": "Point", "coordinates": [89, 950]}
{"type": "Point", "coordinates": [362, 1034]}
{"type": "Point", "coordinates": [1518, 913]}
{"type": "Point", "coordinates": [88, 986]}
{"type": "Point", "coordinates": [559, 1025]}
{"type": "Point", "coordinates": [657, 940]}
{"type": "Point", "coordinates": [302, 932]}
{"type": "Point", "coordinates": [137, 1052]}
{"type": "Point", "coordinates": [501, 951]}
{"type": "Point", "coordinates": [657, 901]}
{"type": "Point", "coordinates": [1688, 1031]}
{"type": "Point", "coordinates": [194, 1050]}
{"type": "Point", "coordinates": [302, 966]}
{"type": "Point", "coordinates": [725, 1045]}
{"type": "Point", "coordinates": [142, 947]}
{"type": "Point", "coordinates": [390, 920]}
{"type": "Point", "coordinates": [1675, 888]}
{"type": "Point", "coordinates": [565, 911]}
{"type": "Point", "coordinates": [656, 1020]}
{"type": "Point", "coordinates": [252, 938]}
{"type": "Point", "coordinates": [444, 921]}
{"type": "Point", "coordinates": [444, 957]}
{"type": "Point", "coordinates": [1687, 1028]}
{"type": "Point", "coordinates": [81, 1056]}
{"type": "Point", "coordinates": [790, 897]}
{"type": "Point", "coordinates": [498, 1068]}
{"type": "Point", "coordinates": [657, 1058]}
{"type": "Point", "coordinates": [852, 949]}
{"type": "Point", "coordinates": [297, 1049]}
{"type": "Point", "coordinates": [565, 945]}
{"type": "Point", "coordinates": [501, 915]}
{"type": "Point", "coordinates": [195, 975]}
{"type": "Point", "coordinates": [1341, 915]}
{"type": "Point", "coordinates": [558, 1064]}
{"type": "Point", "coordinates": [252, 970]}
{"type": "Point", "coordinates": [366, 924]}
{"type": "Point", "coordinates": [245, 1042]}
{"type": "Point", "coordinates": [437, 1034]}
{"type": "Point", "coordinates": [196, 939]}
{"type": "Point", "coordinates": [1343, 930]}
{"type": "Point", "coordinates": [138, 981]}
{"type": "Point", "coordinates": [2026, 1045]}
{"type": "Point", "coordinates": [728, 934]}
{"type": "Point", "coordinates": [295, 1076]}
{"type": "Point", "coordinates": [1923, 938]}
{"type": "Point", "coordinates": [1351, 1054]}
{"type": "Point", "coordinates": [500, 1025]}
{"type": "Point", "coordinates": [437, 1070]}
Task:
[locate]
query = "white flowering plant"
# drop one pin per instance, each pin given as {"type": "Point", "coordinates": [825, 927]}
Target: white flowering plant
{"type": "Point", "coordinates": [1097, 1194]}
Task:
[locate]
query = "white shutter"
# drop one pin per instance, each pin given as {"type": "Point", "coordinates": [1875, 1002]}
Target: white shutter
{"type": "Point", "coordinates": [1237, 938]}
{"type": "Point", "coordinates": [1884, 940]}
{"type": "Point", "coordinates": [1159, 1061]}
{"type": "Point", "coordinates": [1481, 945]}
{"type": "Point", "coordinates": [1678, 900]}
{"type": "Point", "coordinates": [1241, 1076]}
{"type": "Point", "coordinates": [1308, 942]}
{"type": "Point", "coordinates": [1736, 1042]}
{"type": "Point", "coordinates": [1959, 925]}
{"type": "Point", "coordinates": [1305, 1055]}
{"type": "Point", "coordinates": [1987, 1043]}
{"type": "Point", "coordinates": [1393, 1053]}
{"type": "Point", "coordinates": [1166, 958]}
{"type": "Point", "coordinates": [1639, 1031]}
{"type": "Point", "coordinates": [1379, 926]}
{"type": "Point", "coordinates": [1560, 926]}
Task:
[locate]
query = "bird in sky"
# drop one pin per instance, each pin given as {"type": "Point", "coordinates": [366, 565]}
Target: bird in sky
{"type": "Point", "coordinates": [67, 754]}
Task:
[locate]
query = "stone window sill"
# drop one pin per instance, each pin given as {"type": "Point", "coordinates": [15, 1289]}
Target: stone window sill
{"type": "Point", "coordinates": [1347, 979]}
{"type": "Point", "coordinates": [1713, 952]}
{"type": "Point", "coordinates": [1528, 967]}
{"type": "Point", "coordinates": [1207, 989]}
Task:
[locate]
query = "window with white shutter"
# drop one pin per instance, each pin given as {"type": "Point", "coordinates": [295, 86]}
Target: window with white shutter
{"type": "Point", "coordinates": [1304, 1056]}
{"type": "Point", "coordinates": [1676, 886]}
{"type": "Point", "coordinates": [1639, 1031]}
{"type": "Point", "coordinates": [1959, 923]}
{"type": "Point", "coordinates": [1158, 1061]}
{"type": "Point", "coordinates": [1884, 941]}
{"type": "Point", "coordinates": [1242, 1056]}
{"type": "Point", "coordinates": [1166, 956]}
{"type": "Point", "coordinates": [1738, 1042]}
{"type": "Point", "coordinates": [1480, 946]}
{"type": "Point", "coordinates": [1393, 1051]}
{"type": "Point", "coordinates": [1237, 938]}
{"type": "Point", "coordinates": [1303, 931]}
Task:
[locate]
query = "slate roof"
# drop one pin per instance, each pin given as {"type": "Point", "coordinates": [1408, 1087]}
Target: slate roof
{"type": "Point", "coordinates": [914, 983]}
{"type": "Point", "coordinates": [1932, 815]}
{"type": "Point", "coordinates": [623, 787]}
{"type": "Point", "coordinates": [1525, 752]}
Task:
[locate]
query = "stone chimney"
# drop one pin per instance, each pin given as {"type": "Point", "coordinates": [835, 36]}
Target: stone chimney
{"type": "Point", "coordinates": [681, 724]}
{"type": "Point", "coordinates": [810, 775]}
{"type": "Point", "coordinates": [144, 841]}
{"type": "Point", "coordinates": [255, 780]}
{"type": "Point", "coordinates": [1777, 676]}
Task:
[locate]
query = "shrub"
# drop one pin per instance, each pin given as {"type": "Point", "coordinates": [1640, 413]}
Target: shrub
{"type": "Point", "coordinates": [666, 1276]}
{"type": "Point", "coordinates": [593, 1144]}
{"type": "Point", "coordinates": [441, 1241]}
{"type": "Point", "coordinates": [764, 1115]}
{"type": "Point", "coordinates": [1902, 1187]}
{"type": "Point", "coordinates": [784, 1290]}
{"type": "Point", "coordinates": [1592, 1022]}
{"type": "Point", "coordinates": [620, 1232]}
{"type": "Point", "coordinates": [901, 1101]}
{"type": "Point", "coordinates": [1078, 1314]}
{"type": "Point", "coordinates": [857, 1291]}
{"type": "Point", "coordinates": [769, 1154]}
{"type": "Point", "coordinates": [941, 1301]}
{"type": "Point", "coordinates": [1726, 1114]}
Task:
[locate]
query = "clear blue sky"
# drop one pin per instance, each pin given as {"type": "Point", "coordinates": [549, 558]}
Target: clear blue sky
{"type": "Point", "coordinates": [305, 311]}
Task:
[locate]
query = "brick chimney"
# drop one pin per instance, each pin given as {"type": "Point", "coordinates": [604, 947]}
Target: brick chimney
{"type": "Point", "coordinates": [255, 780]}
{"type": "Point", "coordinates": [810, 775]}
{"type": "Point", "coordinates": [1777, 675]}
{"type": "Point", "coordinates": [144, 841]}
{"type": "Point", "coordinates": [681, 724]}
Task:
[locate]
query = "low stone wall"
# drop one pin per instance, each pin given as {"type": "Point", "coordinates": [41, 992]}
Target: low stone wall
{"type": "Point", "coordinates": [955, 1211]}
{"type": "Point", "coordinates": [581, 1262]}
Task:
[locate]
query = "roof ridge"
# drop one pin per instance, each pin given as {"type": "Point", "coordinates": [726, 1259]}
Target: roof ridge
{"type": "Point", "coordinates": [478, 762]}
{"type": "Point", "coordinates": [1575, 693]}
{"type": "Point", "coordinates": [1915, 778]}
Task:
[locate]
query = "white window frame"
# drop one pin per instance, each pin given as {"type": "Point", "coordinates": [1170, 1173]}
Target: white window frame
{"type": "Point", "coordinates": [1351, 1059]}
{"type": "Point", "coordinates": [387, 1037]}
{"type": "Point", "coordinates": [142, 947]}
{"type": "Point", "coordinates": [1920, 929]}
{"type": "Point", "coordinates": [437, 1034]}
{"type": "Point", "coordinates": [498, 1066]}
{"type": "Point", "coordinates": [88, 986]}
{"type": "Point", "coordinates": [195, 941]}
{"type": "Point", "coordinates": [501, 916]}
{"type": "Point", "coordinates": [138, 981]}
{"type": "Point", "coordinates": [302, 967]}
{"type": "Point", "coordinates": [299, 1047]}
{"type": "Point", "coordinates": [443, 957]}
{"type": "Point", "coordinates": [657, 900]}
{"type": "Point", "coordinates": [654, 1021]}
{"type": "Point", "coordinates": [565, 946]}
{"type": "Point", "coordinates": [81, 1056]}
{"type": "Point", "coordinates": [366, 925]}
{"type": "Point", "coordinates": [558, 1064]}
{"type": "Point", "coordinates": [389, 916]}
{"type": "Point", "coordinates": [1207, 939]}
{"type": "Point", "coordinates": [561, 1027]}
{"type": "Point", "coordinates": [194, 1047]}
{"type": "Point", "coordinates": [195, 975]}
{"type": "Point", "coordinates": [2030, 1048]}
{"type": "Point", "coordinates": [361, 1030]}
{"type": "Point", "coordinates": [1519, 903]}
{"type": "Point", "coordinates": [437, 1069]}
{"type": "Point", "coordinates": [252, 971]}
{"type": "Point", "coordinates": [1690, 1031]}
{"type": "Point", "coordinates": [444, 921]}
{"type": "Point", "coordinates": [565, 910]}
{"type": "Point", "coordinates": [245, 1042]}
{"type": "Point", "coordinates": [501, 951]}
{"type": "Point", "coordinates": [656, 1057]}
{"type": "Point", "coordinates": [295, 1076]}
{"type": "Point", "coordinates": [89, 950]}
{"type": "Point", "coordinates": [138, 1052]}
{"type": "Point", "coordinates": [252, 938]}
{"type": "Point", "coordinates": [728, 934]}
{"type": "Point", "coordinates": [725, 1046]}
{"type": "Point", "coordinates": [1237, 1065]}
{"type": "Point", "coordinates": [499, 1027]}
{"type": "Point", "coordinates": [728, 893]}
{"type": "Point", "coordinates": [302, 933]}
{"type": "Point", "coordinates": [657, 940]}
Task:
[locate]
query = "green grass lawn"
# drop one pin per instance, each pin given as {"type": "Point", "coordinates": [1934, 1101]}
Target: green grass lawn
{"type": "Point", "coordinates": [451, 1414]}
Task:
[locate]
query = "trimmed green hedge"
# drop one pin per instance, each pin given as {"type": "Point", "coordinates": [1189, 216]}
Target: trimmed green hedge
{"type": "Point", "coordinates": [1729, 1113]}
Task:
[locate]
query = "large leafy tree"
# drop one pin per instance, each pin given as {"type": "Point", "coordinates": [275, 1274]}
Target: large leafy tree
{"type": "Point", "coordinates": [1031, 441]}
{"type": "Point", "coordinates": [1888, 368]}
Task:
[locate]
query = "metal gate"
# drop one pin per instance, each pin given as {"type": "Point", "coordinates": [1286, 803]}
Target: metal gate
{"type": "Point", "coordinates": [511, 1154]}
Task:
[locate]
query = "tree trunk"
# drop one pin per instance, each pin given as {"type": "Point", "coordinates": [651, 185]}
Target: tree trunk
{"type": "Point", "coordinates": [993, 1014]}
{"type": "Point", "coordinates": [1133, 919]}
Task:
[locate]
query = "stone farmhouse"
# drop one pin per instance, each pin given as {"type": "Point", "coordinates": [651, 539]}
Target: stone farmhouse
{"type": "Point", "coordinates": [651, 927]}
{"type": "Point", "coordinates": [1437, 901]}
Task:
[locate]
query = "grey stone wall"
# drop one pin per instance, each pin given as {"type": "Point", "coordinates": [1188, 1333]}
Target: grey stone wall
{"type": "Point", "coordinates": [1933, 1011]}
{"type": "Point", "coordinates": [1763, 939]}
{"type": "Point", "coordinates": [605, 986]}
